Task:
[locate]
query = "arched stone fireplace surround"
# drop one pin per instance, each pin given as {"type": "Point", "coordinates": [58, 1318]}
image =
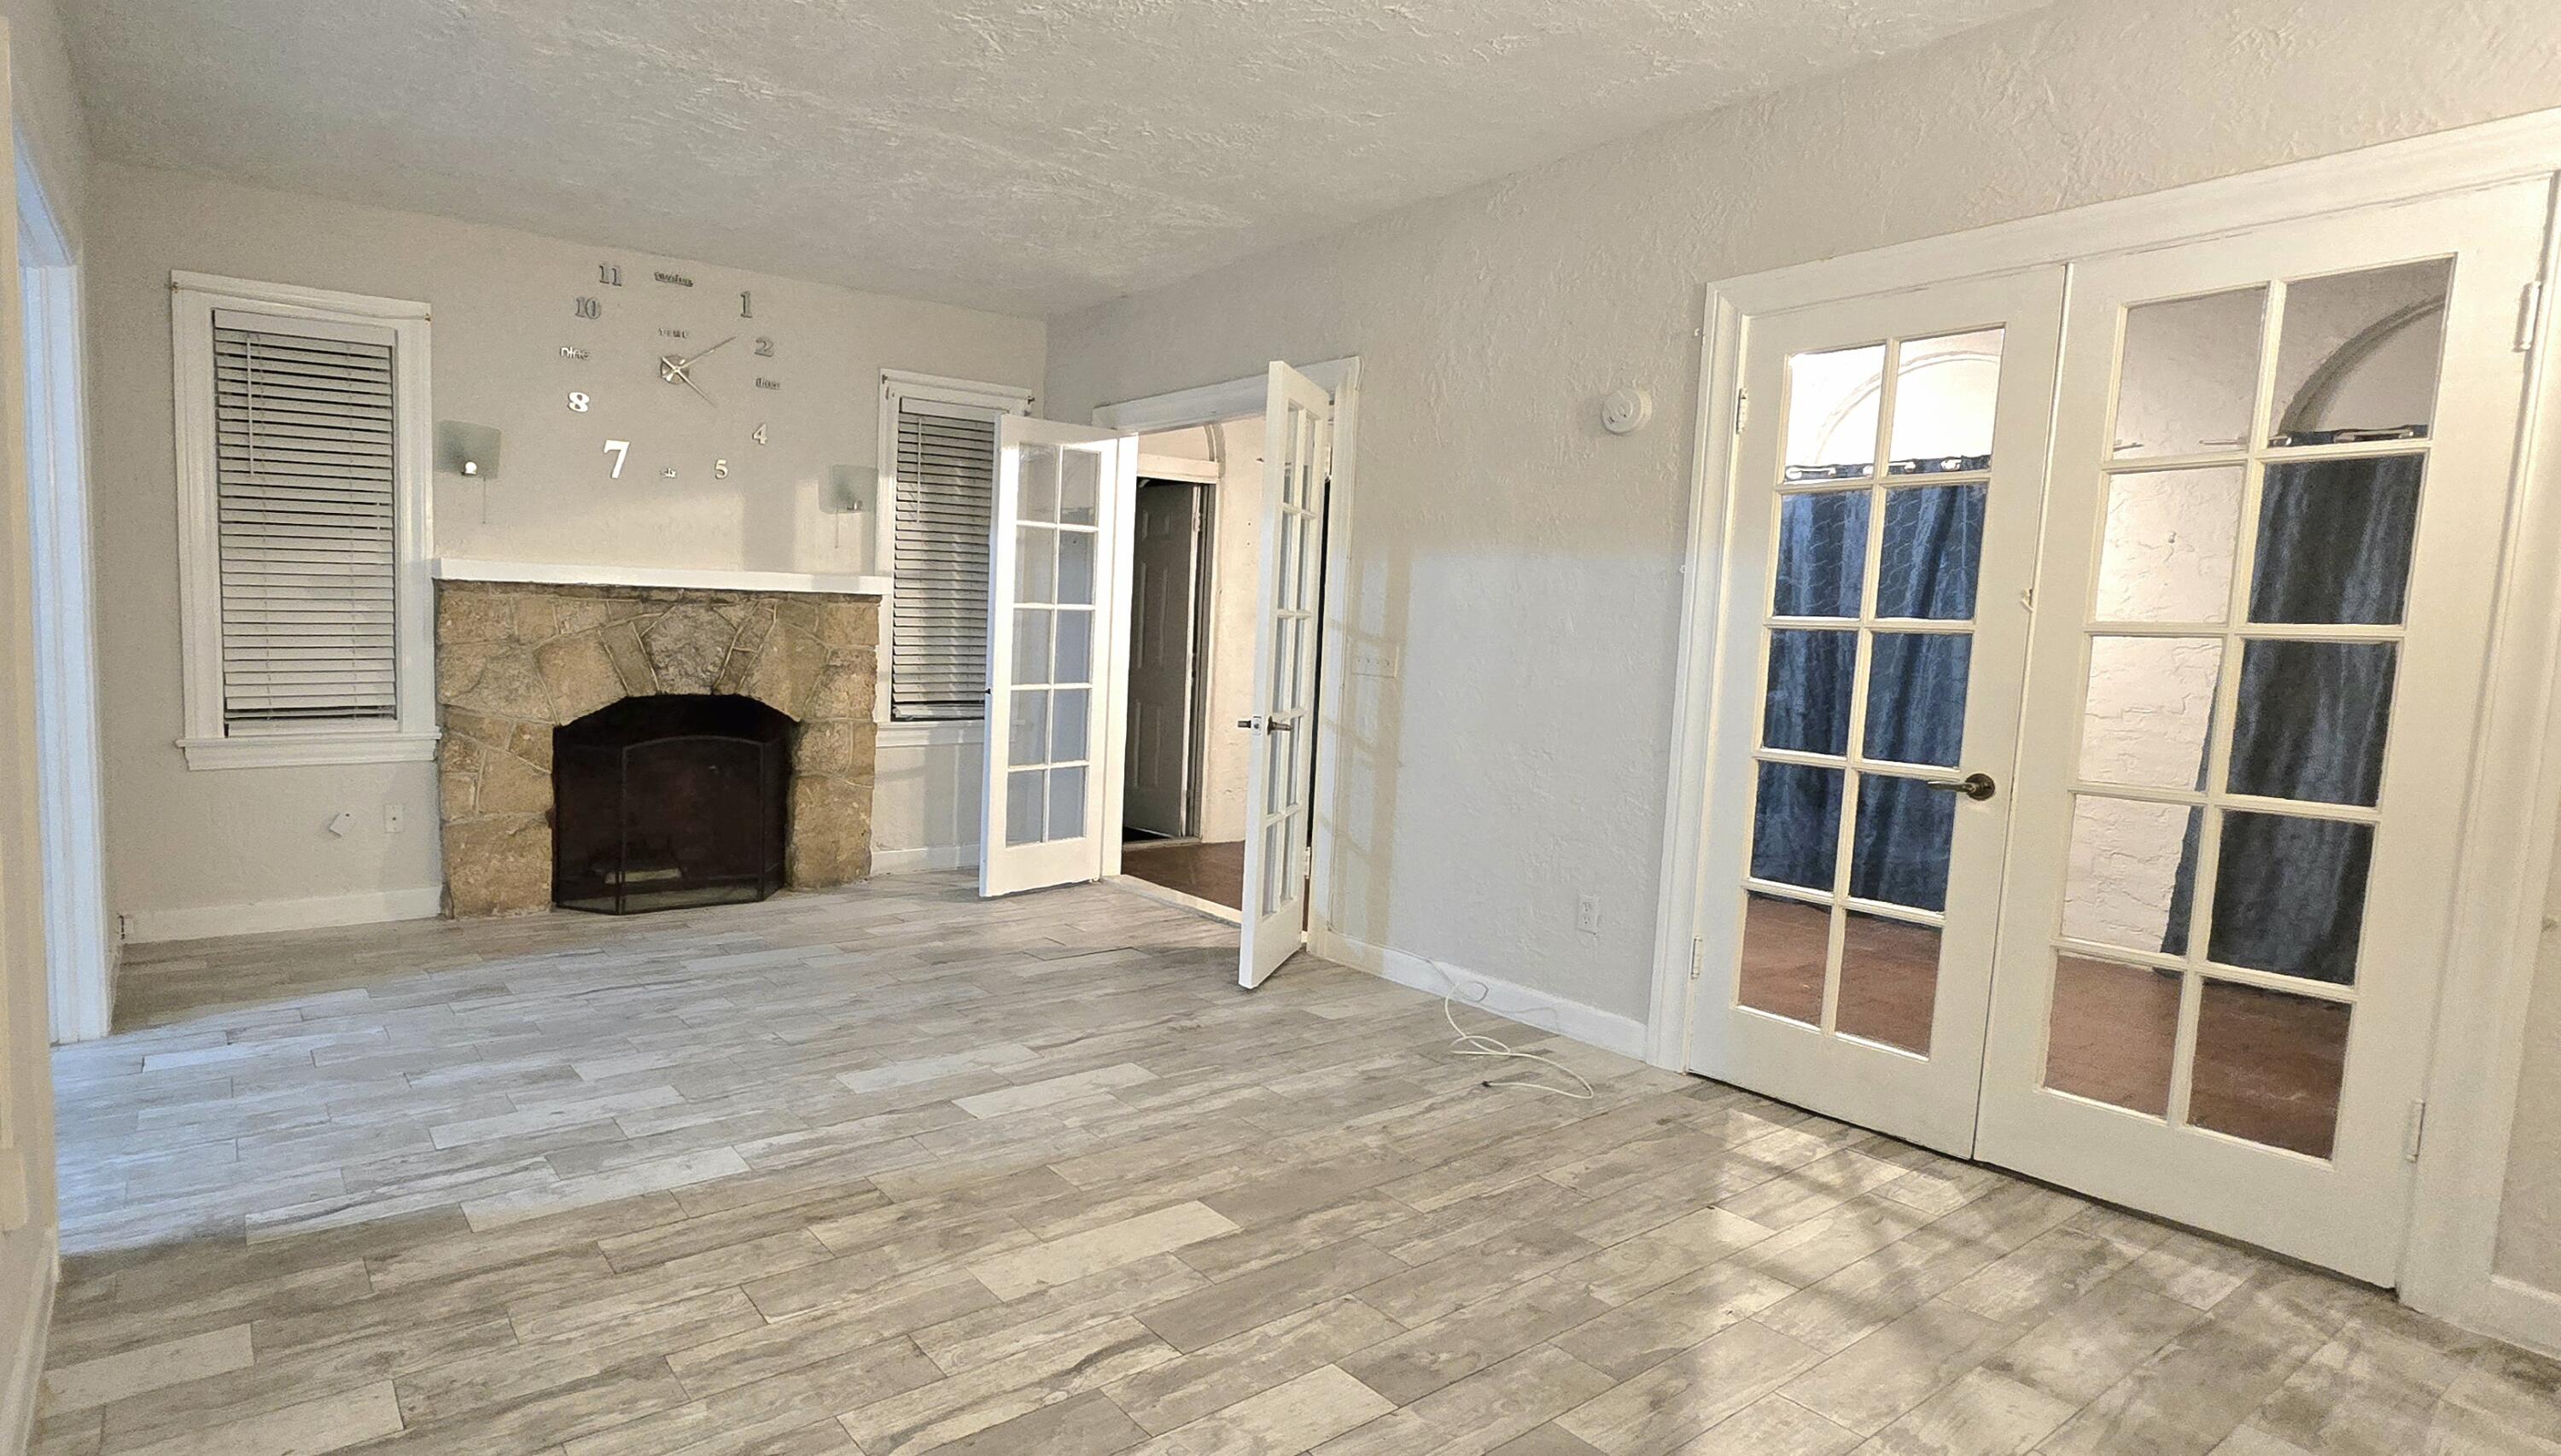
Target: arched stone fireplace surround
{"type": "Point", "coordinates": [515, 660]}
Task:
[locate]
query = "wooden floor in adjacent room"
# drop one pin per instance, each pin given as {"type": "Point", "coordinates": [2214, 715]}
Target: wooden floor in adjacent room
{"type": "Point", "coordinates": [1212, 871]}
{"type": "Point", "coordinates": [893, 1170]}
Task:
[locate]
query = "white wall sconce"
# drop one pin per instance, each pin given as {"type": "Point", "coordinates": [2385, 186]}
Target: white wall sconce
{"type": "Point", "coordinates": [843, 495]}
{"type": "Point", "coordinates": [466, 449]}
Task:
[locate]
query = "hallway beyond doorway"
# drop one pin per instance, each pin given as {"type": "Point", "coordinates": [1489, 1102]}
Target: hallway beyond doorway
{"type": "Point", "coordinates": [1212, 871]}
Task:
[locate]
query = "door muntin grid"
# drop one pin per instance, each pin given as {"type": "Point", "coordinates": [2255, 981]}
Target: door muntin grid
{"type": "Point", "coordinates": [1297, 550]}
{"type": "Point", "coordinates": [1049, 735]}
{"type": "Point", "coordinates": [2240, 648]}
{"type": "Point", "coordinates": [1864, 656]}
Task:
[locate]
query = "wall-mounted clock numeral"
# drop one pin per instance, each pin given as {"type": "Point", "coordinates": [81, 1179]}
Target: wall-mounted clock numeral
{"type": "Point", "coordinates": [760, 435]}
{"type": "Point", "coordinates": [579, 402]}
{"type": "Point", "coordinates": [666, 472]}
{"type": "Point", "coordinates": [720, 470]}
{"type": "Point", "coordinates": [621, 451]}
{"type": "Point", "coordinates": [609, 274]}
{"type": "Point", "coordinates": [746, 305]}
{"type": "Point", "coordinates": [764, 347]}
{"type": "Point", "coordinates": [590, 309]}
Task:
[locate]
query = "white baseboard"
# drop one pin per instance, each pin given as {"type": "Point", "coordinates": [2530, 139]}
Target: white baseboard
{"type": "Point", "coordinates": [2511, 1310]}
{"type": "Point", "coordinates": [924, 856]}
{"type": "Point", "coordinates": [1526, 1005]}
{"type": "Point", "coordinates": [196, 922]}
{"type": "Point", "coordinates": [36, 1318]}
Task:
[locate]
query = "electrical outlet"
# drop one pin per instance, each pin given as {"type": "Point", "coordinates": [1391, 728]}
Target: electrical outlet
{"type": "Point", "coordinates": [1587, 915]}
{"type": "Point", "coordinates": [391, 818]}
{"type": "Point", "coordinates": [1374, 660]}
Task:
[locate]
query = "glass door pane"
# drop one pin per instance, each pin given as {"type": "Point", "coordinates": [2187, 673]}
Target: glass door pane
{"type": "Point", "coordinates": [2272, 548]}
{"type": "Point", "coordinates": [1062, 494]}
{"type": "Point", "coordinates": [2240, 652]}
{"type": "Point", "coordinates": [1869, 621]}
{"type": "Point", "coordinates": [1879, 554]}
{"type": "Point", "coordinates": [1279, 792]}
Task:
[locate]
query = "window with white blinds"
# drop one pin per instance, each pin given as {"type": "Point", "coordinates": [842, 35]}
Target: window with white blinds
{"type": "Point", "coordinates": [306, 467]}
{"type": "Point", "coordinates": [947, 479]}
{"type": "Point", "coordinates": [304, 461]}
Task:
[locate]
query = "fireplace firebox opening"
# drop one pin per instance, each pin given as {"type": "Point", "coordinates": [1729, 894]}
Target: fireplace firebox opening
{"type": "Point", "coordinates": [670, 801]}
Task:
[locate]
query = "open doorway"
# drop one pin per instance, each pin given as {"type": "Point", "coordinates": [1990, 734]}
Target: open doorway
{"type": "Point", "coordinates": [1194, 570]}
{"type": "Point", "coordinates": [1061, 589]}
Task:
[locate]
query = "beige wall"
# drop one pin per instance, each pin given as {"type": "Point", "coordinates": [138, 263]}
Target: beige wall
{"type": "Point", "coordinates": [183, 839]}
{"type": "Point", "coordinates": [1529, 563]}
{"type": "Point", "coordinates": [51, 128]}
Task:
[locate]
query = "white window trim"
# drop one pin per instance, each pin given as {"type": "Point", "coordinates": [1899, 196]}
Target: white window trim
{"type": "Point", "coordinates": [413, 735]}
{"type": "Point", "coordinates": [897, 387]}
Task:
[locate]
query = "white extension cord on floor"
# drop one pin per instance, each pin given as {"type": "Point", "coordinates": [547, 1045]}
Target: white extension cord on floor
{"type": "Point", "coordinates": [1476, 1044]}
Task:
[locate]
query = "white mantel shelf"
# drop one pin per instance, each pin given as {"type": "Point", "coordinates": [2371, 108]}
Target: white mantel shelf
{"type": "Point", "coordinates": [573, 574]}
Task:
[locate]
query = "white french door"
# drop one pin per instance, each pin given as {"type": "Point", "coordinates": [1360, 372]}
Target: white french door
{"type": "Point", "coordinates": [1297, 464]}
{"type": "Point", "coordinates": [2186, 956]}
{"type": "Point", "coordinates": [1057, 634]}
{"type": "Point", "coordinates": [2281, 478]}
{"type": "Point", "coordinates": [1883, 529]}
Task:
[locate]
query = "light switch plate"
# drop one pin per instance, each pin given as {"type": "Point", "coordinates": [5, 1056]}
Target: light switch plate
{"type": "Point", "coordinates": [1375, 660]}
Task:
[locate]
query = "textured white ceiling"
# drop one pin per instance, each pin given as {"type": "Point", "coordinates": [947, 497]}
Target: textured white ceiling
{"type": "Point", "coordinates": [1026, 156]}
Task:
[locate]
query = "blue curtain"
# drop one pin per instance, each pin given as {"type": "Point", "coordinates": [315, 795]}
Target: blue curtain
{"type": "Point", "coordinates": [2333, 546]}
{"type": "Point", "coordinates": [2334, 543]}
{"type": "Point", "coordinates": [1927, 564]}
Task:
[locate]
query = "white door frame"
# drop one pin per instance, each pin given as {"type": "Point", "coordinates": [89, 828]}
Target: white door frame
{"type": "Point", "coordinates": [2512, 816]}
{"type": "Point", "coordinates": [1229, 399]}
{"type": "Point", "coordinates": [80, 950]}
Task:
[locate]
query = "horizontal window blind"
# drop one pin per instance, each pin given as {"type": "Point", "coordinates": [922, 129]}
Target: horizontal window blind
{"type": "Point", "coordinates": [304, 474]}
{"type": "Point", "coordinates": [946, 480]}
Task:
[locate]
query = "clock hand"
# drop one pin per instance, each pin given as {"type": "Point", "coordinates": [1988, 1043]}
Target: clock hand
{"type": "Point", "coordinates": [732, 339]}
{"type": "Point", "coordinates": [672, 370]}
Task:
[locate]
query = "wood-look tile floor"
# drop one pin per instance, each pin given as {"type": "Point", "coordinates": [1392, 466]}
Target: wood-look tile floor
{"type": "Point", "coordinates": [893, 1171]}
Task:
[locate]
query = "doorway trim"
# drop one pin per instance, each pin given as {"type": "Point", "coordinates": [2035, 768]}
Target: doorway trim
{"type": "Point", "coordinates": [2512, 817]}
{"type": "Point", "coordinates": [1229, 399]}
{"type": "Point", "coordinates": [80, 949]}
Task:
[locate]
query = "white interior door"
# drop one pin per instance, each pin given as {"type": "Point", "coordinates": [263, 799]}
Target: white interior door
{"type": "Point", "coordinates": [1297, 463]}
{"type": "Point", "coordinates": [1880, 543]}
{"type": "Point", "coordinates": [2283, 472]}
{"type": "Point", "coordinates": [1058, 643]}
{"type": "Point", "coordinates": [1164, 643]}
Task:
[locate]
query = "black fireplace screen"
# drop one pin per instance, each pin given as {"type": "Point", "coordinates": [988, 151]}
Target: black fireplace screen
{"type": "Point", "coordinates": [661, 803]}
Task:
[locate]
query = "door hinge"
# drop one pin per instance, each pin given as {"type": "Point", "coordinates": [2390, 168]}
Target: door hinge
{"type": "Point", "coordinates": [1697, 956]}
{"type": "Point", "coordinates": [2530, 317]}
{"type": "Point", "coordinates": [1742, 408]}
{"type": "Point", "coordinates": [2416, 1132]}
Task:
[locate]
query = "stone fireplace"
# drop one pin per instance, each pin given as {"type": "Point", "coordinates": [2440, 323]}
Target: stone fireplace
{"type": "Point", "coordinates": [516, 659]}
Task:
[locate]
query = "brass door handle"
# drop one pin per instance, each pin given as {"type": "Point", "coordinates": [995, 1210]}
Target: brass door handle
{"type": "Point", "coordinates": [1974, 786]}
